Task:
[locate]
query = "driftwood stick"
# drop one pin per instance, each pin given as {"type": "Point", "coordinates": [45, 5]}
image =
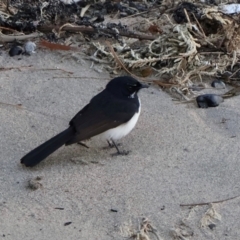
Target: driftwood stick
{"type": "Point", "coordinates": [88, 30]}
{"type": "Point", "coordinates": [11, 38]}
{"type": "Point", "coordinates": [207, 203]}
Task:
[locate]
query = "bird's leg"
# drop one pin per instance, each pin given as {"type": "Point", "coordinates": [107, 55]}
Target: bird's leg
{"type": "Point", "coordinates": [82, 144]}
{"type": "Point", "coordinates": [110, 144]}
{"type": "Point", "coordinates": [118, 152]}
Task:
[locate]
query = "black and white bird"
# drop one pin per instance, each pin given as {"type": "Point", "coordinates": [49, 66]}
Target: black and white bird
{"type": "Point", "coordinates": [112, 114]}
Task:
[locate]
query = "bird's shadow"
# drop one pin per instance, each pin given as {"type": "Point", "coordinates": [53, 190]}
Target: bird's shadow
{"type": "Point", "coordinates": [75, 155]}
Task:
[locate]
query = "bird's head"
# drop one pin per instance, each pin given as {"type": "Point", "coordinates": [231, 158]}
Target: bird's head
{"type": "Point", "coordinates": [125, 86]}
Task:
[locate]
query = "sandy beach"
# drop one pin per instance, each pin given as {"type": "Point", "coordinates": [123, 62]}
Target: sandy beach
{"type": "Point", "coordinates": [180, 154]}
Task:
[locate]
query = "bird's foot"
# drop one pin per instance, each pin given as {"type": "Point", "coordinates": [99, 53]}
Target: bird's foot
{"type": "Point", "coordinates": [111, 145]}
{"type": "Point", "coordinates": [82, 144]}
{"type": "Point", "coordinates": [122, 153]}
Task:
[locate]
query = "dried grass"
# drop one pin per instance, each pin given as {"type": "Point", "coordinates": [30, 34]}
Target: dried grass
{"type": "Point", "coordinates": [183, 53]}
{"type": "Point", "coordinates": [128, 230]}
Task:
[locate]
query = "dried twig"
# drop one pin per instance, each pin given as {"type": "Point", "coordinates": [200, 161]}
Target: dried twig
{"type": "Point", "coordinates": [141, 13]}
{"type": "Point", "coordinates": [90, 30]}
{"type": "Point", "coordinates": [206, 53]}
{"type": "Point", "coordinates": [18, 106]}
{"type": "Point", "coordinates": [133, 75]}
{"type": "Point", "coordinates": [51, 69]}
{"type": "Point", "coordinates": [9, 29]}
{"type": "Point", "coordinates": [83, 77]}
{"type": "Point", "coordinates": [232, 93]}
{"type": "Point", "coordinates": [186, 14]}
{"type": "Point", "coordinates": [163, 84]}
{"type": "Point", "coordinates": [36, 69]}
{"type": "Point", "coordinates": [234, 73]}
{"type": "Point", "coordinates": [56, 46]}
{"type": "Point", "coordinates": [10, 68]}
{"type": "Point", "coordinates": [84, 10]}
{"type": "Point", "coordinates": [119, 61]}
{"type": "Point", "coordinates": [199, 25]}
{"type": "Point", "coordinates": [11, 38]}
{"type": "Point", "coordinates": [189, 74]}
{"type": "Point", "coordinates": [207, 203]}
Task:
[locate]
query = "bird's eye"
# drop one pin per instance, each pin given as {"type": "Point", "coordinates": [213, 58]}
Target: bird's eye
{"type": "Point", "coordinates": [131, 87]}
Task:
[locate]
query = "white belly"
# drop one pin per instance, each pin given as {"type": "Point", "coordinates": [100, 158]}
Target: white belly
{"type": "Point", "coordinates": [123, 129]}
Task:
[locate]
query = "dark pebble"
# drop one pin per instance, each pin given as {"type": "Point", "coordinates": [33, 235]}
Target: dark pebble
{"type": "Point", "coordinates": [208, 100]}
{"type": "Point", "coordinates": [67, 223]}
{"type": "Point", "coordinates": [212, 226]}
{"type": "Point", "coordinates": [218, 84]}
{"type": "Point", "coordinates": [179, 14]}
{"type": "Point", "coordinates": [113, 210]}
{"type": "Point", "coordinates": [226, 74]}
{"type": "Point", "coordinates": [15, 50]}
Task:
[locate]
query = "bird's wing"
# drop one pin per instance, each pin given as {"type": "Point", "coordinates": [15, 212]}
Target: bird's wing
{"type": "Point", "coordinates": [101, 114]}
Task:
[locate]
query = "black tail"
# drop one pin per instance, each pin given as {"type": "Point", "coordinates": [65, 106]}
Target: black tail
{"type": "Point", "coordinates": [40, 153]}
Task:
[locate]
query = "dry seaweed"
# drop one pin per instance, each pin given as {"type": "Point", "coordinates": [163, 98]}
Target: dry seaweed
{"type": "Point", "coordinates": [184, 42]}
{"type": "Point", "coordinates": [145, 228]}
{"type": "Point", "coordinates": [184, 53]}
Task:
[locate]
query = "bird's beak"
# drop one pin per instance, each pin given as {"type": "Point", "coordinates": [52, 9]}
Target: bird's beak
{"type": "Point", "coordinates": [144, 86]}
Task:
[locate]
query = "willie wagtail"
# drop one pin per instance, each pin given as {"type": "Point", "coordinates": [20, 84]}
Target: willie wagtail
{"type": "Point", "coordinates": [112, 113]}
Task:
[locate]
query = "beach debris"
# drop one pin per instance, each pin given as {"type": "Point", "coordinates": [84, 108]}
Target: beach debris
{"type": "Point", "coordinates": [208, 100]}
{"type": "Point", "coordinates": [59, 208]}
{"type": "Point", "coordinates": [56, 46]}
{"type": "Point", "coordinates": [34, 183]}
{"type": "Point", "coordinates": [182, 231]}
{"type": "Point", "coordinates": [67, 223]}
{"type": "Point", "coordinates": [212, 226]}
{"type": "Point", "coordinates": [179, 13]}
{"type": "Point", "coordinates": [208, 203]}
{"type": "Point", "coordinates": [210, 216]}
{"type": "Point", "coordinates": [15, 50]}
{"type": "Point", "coordinates": [233, 8]}
{"type": "Point", "coordinates": [17, 106]}
{"type": "Point", "coordinates": [113, 210]}
{"type": "Point", "coordinates": [145, 231]}
{"type": "Point", "coordinates": [30, 47]}
{"type": "Point", "coordinates": [174, 48]}
{"type": "Point", "coordinates": [20, 37]}
{"type": "Point", "coordinates": [232, 93]}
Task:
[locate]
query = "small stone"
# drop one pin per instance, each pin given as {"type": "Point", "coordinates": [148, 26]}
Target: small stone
{"type": "Point", "coordinates": [113, 210]}
{"type": "Point", "coordinates": [218, 84]}
{"type": "Point", "coordinates": [30, 47]}
{"type": "Point", "coordinates": [15, 50]}
{"type": "Point", "coordinates": [212, 226]}
{"type": "Point", "coordinates": [209, 100]}
{"type": "Point", "coordinates": [67, 223]}
{"type": "Point", "coordinates": [34, 183]}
